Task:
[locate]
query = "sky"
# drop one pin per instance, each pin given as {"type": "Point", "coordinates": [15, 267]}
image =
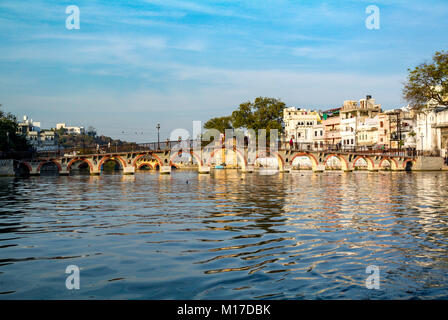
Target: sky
{"type": "Point", "coordinates": [133, 64]}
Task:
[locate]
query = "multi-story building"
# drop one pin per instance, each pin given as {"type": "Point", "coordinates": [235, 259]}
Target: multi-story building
{"type": "Point", "coordinates": [318, 137]}
{"type": "Point", "coordinates": [353, 114]}
{"type": "Point", "coordinates": [401, 127]}
{"type": "Point", "coordinates": [348, 132]}
{"type": "Point", "coordinates": [28, 125]}
{"type": "Point", "coordinates": [331, 122]}
{"type": "Point", "coordinates": [44, 140]}
{"type": "Point", "coordinates": [41, 140]}
{"type": "Point", "coordinates": [367, 133]}
{"type": "Point", "coordinates": [299, 124]}
{"type": "Point", "coordinates": [431, 130]}
{"type": "Point", "coordinates": [70, 130]}
{"type": "Point", "coordinates": [383, 131]}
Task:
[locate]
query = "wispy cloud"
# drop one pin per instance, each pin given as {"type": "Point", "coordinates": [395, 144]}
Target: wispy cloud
{"type": "Point", "coordinates": [174, 60]}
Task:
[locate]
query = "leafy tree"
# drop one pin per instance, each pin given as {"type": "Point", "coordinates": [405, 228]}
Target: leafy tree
{"type": "Point", "coordinates": [428, 83]}
{"type": "Point", "coordinates": [91, 131]}
{"type": "Point", "coordinates": [61, 131]}
{"type": "Point", "coordinates": [263, 113]}
{"type": "Point", "coordinates": [9, 139]}
{"type": "Point", "coordinates": [219, 123]}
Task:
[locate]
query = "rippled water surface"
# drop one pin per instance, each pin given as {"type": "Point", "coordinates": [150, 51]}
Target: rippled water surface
{"type": "Point", "coordinates": [225, 235]}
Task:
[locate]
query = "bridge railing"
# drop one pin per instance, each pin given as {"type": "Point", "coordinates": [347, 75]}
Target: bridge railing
{"type": "Point", "coordinates": [367, 150]}
{"type": "Point", "coordinates": [206, 145]}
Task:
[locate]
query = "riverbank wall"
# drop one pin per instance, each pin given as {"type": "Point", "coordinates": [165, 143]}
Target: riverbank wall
{"type": "Point", "coordinates": [7, 168]}
{"type": "Point", "coordinates": [428, 164]}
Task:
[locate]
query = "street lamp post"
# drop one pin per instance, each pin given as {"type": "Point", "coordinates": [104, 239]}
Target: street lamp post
{"type": "Point", "coordinates": [158, 136]}
{"type": "Point", "coordinates": [421, 138]}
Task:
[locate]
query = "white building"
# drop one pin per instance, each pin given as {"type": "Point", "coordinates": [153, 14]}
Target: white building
{"type": "Point", "coordinates": [44, 140]}
{"type": "Point", "coordinates": [41, 140]}
{"type": "Point", "coordinates": [431, 130]}
{"type": "Point", "coordinates": [70, 130]}
{"type": "Point", "coordinates": [28, 125]}
{"type": "Point", "coordinates": [348, 129]}
{"type": "Point", "coordinates": [353, 115]}
{"type": "Point", "coordinates": [318, 137]}
{"type": "Point", "coordinates": [367, 132]}
{"type": "Point", "coordinates": [299, 124]}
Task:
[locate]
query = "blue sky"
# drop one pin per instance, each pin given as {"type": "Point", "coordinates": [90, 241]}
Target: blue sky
{"type": "Point", "coordinates": [133, 64]}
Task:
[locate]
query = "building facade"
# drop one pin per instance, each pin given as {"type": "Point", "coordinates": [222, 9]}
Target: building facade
{"type": "Point", "coordinates": [299, 124]}
{"type": "Point", "coordinates": [70, 130]}
{"type": "Point", "coordinates": [367, 133]}
{"type": "Point", "coordinates": [353, 115]}
{"type": "Point", "coordinates": [39, 139]}
{"type": "Point", "coordinates": [331, 123]}
{"type": "Point", "coordinates": [318, 137]}
{"type": "Point", "coordinates": [431, 130]}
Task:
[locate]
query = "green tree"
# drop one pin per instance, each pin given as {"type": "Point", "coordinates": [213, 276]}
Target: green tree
{"type": "Point", "coordinates": [263, 113]}
{"type": "Point", "coordinates": [219, 123]}
{"type": "Point", "coordinates": [91, 131]}
{"type": "Point", "coordinates": [428, 83]}
{"type": "Point", "coordinates": [9, 139]}
{"type": "Point", "coordinates": [61, 131]}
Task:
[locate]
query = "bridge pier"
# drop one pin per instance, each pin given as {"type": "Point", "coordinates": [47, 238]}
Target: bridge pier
{"type": "Point", "coordinates": [247, 169]}
{"type": "Point", "coordinates": [129, 170]}
{"type": "Point", "coordinates": [165, 170]}
{"type": "Point", "coordinates": [204, 169]}
{"type": "Point", "coordinates": [319, 168]}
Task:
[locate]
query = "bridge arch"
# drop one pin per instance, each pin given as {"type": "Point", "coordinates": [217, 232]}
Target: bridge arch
{"type": "Point", "coordinates": [174, 165]}
{"type": "Point", "coordinates": [342, 159]}
{"type": "Point", "coordinates": [393, 163]}
{"type": "Point", "coordinates": [145, 164]}
{"type": "Point", "coordinates": [134, 163]}
{"type": "Point", "coordinates": [116, 159]}
{"type": "Point", "coordinates": [280, 160]}
{"type": "Point", "coordinates": [24, 169]}
{"type": "Point", "coordinates": [69, 165]}
{"type": "Point", "coordinates": [191, 152]}
{"type": "Point", "coordinates": [310, 156]}
{"type": "Point", "coordinates": [238, 153]}
{"type": "Point", "coordinates": [408, 164]}
{"type": "Point", "coordinates": [370, 163]}
{"type": "Point", "coordinates": [42, 163]}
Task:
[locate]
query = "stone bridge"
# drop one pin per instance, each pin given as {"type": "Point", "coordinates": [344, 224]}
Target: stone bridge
{"type": "Point", "coordinates": [164, 160]}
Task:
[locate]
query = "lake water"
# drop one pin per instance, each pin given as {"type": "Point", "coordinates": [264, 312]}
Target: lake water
{"type": "Point", "coordinates": [226, 235]}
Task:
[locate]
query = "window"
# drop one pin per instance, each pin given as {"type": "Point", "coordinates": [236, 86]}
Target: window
{"type": "Point", "coordinates": [381, 124]}
{"type": "Point", "coordinates": [352, 141]}
{"type": "Point", "coordinates": [315, 133]}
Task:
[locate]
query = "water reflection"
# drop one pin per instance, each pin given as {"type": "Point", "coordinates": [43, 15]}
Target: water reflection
{"type": "Point", "coordinates": [225, 236]}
